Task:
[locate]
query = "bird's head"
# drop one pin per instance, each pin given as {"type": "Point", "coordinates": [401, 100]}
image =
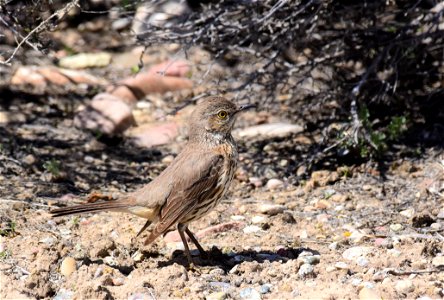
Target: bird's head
{"type": "Point", "coordinates": [214, 116]}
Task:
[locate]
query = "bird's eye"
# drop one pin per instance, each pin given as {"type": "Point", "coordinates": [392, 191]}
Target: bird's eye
{"type": "Point", "coordinates": [222, 114]}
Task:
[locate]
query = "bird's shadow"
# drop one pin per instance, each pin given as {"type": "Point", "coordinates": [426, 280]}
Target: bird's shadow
{"type": "Point", "coordinates": [215, 257]}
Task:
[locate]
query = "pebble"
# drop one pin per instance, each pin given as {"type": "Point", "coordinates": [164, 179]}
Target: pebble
{"type": "Point", "coordinates": [435, 226]}
{"type": "Point", "coordinates": [362, 261]}
{"type": "Point", "coordinates": [305, 270]}
{"type": "Point", "coordinates": [63, 294]}
{"type": "Point", "coordinates": [274, 184]}
{"type": "Point", "coordinates": [356, 252]}
{"type": "Point", "coordinates": [366, 187]}
{"type": "Point", "coordinates": [48, 241]}
{"type": "Point", "coordinates": [251, 229]}
{"type": "Point", "coordinates": [408, 213]}
{"type": "Point", "coordinates": [368, 294]}
{"type": "Point", "coordinates": [310, 259]}
{"type": "Point", "coordinates": [224, 286]}
{"type": "Point", "coordinates": [269, 130]}
{"type": "Point", "coordinates": [396, 227]}
{"type": "Point", "coordinates": [29, 159]}
{"type": "Point", "coordinates": [341, 265]}
{"type": "Point", "coordinates": [333, 246]}
{"type": "Point", "coordinates": [356, 281]}
{"type": "Point", "coordinates": [404, 286]}
{"type": "Point", "coordinates": [438, 261]}
{"type": "Point", "coordinates": [257, 182]}
{"type": "Point", "coordinates": [339, 198]}
{"type": "Point", "coordinates": [137, 256]}
{"type": "Point", "coordinates": [68, 266]}
{"type": "Point", "coordinates": [394, 252]}
{"type": "Point", "coordinates": [258, 219]}
{"type": "Point", "coordinates": [271, 209]}
{"type": "Point", "coordinates": [440, 214]}
{"type": "Point", "coordinates": [237, 218]}
{"type": "Point", "coordinates": [118, 281]}
{"type": "Point", "coordinates": [141, 296]}
{"type": "Point", "coordinates": [250, 294]}
{"type": "Point", "coordinates": [265, 288]}
{"type": "Point", "coordinates": [216, 296]}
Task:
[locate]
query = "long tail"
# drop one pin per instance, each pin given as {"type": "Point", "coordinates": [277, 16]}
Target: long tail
{"type": "Point", "coordinates": [90, 207]}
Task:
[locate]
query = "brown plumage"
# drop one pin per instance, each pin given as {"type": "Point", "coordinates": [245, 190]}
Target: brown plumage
{"type": "Point", "coordinates": [192, 185]}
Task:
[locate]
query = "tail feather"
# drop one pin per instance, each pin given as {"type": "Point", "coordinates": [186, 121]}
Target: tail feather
{"type": "Point", "coordinates": [89, 207]}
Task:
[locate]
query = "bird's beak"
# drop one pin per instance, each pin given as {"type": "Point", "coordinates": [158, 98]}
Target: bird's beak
{"type": "Point", "coordinates": [245, 107]}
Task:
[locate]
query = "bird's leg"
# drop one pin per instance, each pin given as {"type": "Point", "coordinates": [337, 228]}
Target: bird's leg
{"type": "Point", "coordinates": [202, 252]}
{"type": "Point", "coordinates": [181, 228]}
{"type": "Point", "coordinates": [144, 227]}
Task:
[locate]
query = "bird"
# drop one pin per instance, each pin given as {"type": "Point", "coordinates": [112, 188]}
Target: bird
{"type": "Point", "coordinates": [192, 185]}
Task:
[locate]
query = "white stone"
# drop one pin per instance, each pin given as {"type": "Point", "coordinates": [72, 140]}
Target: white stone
{"type": "Point", "coordinates": [271, 209]}
{"type": "Point", "coordinates": [341, 265]}
{"type": "Point", "coordinates": [356, 252]}
{"type": "Point", "coordinates": [404, 286]}
{"type": "Point", "coordinates": [269, 130]}
{"type": "Point", "coordinates": [258, 219]}
{"type": "Point", "coordinates": [251, 229]}
{"type": "Point", "coordinates": [274, 184]}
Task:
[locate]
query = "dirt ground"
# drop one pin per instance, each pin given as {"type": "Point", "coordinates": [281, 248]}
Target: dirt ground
{"type": "Point", "coordinates": [343, 231]}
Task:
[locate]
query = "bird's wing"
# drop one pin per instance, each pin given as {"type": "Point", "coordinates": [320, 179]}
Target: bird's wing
{"type": "Point", "coordinates": [195, 182]}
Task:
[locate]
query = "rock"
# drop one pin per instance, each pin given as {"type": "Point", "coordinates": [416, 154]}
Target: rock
{"type": "Point", "coordinates": [118, 281]}
{"type": "Point", "coordinates": [274, 184]}
{"type": "Point", "coordinates": [265, 288]}
{"type": "Point", "coordinates": [288, 218]}
{"type": "Point", "coordinates": [440, 214]}
{"type": "Point", "coordinates": [339, 198]}
{"type": "Point", "coordinates": [438, 261]}
{"type": "Point", "coordinates": [237, 218]}
{"type": "Point", "coordinates": [333, 246]}
{"type": "Point", "coordinates": [121, 24]}
{"type": "Point", "coordinates": [85, 60]}
{"type": "Point", "coordinates": [137, 256]}
{"type": "Point", "coordinates": [366, 187]}
{"type": "Point", "coordinates": [257, 182]}
{"type": "Point", "coordinates": [341, 265]}
{"type": "Point", "coordinates": [362, 261]}
{"type": "Point", "coordinates": [216, 296]}
{"type": "Point", "coordinates": [159, 134]}
{"type": "Point", "coordinates": [250, 294]}
{"type": "Point", "coordinates": [356, 252]}
{"type": "Point", "coordinates": [258, 219]}
{"type": "Point", "coordinates": [107, 114]}
{"type": "Point", "coordinates": [68, 266]}
{"type": "Point", "coordinates": [408, 213]}
{"type": "Point", "coordinates": [368, 294]}
{"type": "Point", "coordinates": [396, 227]}
{"type": "Point", "coordinates": [29, 159]}
{"type": "Point", "coordinates": [269, 130]}
{"type": "Point", "coordinates": [435, 226]}
{"type": "Point", "coordinates": [251, 229]}
{"type": "Point", "coordinates": [63, 294]}
{"type": "Point", "coordinates": [141, 296]}
{"type": "Point", "coordinates": [322, 204]}
{"type": "Point", "coordinates": [404, 286]}
{"type": "Point", "coordinates": [310, 259]}
{"type": "Point", "coordinates": [271, 209]}
{"type": "Point", "coordinates": [305, 270]}
{"type": "Point", "coordinates": [383, 243]}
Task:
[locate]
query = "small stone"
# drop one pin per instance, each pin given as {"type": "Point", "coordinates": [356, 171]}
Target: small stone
{"type": "Point", "coordinates": [258, 219]}
{"type": "Point", "coordinates": [237, 218]}
{"type": "Point", "coordinates": [68, 266]}
{"type": "Point", "coordinates": [339, 198]}
{"type": "Point", "coordinates": [356, 281]}
{"type": "Point", "coordinates": [118, 281]}
{"type": "Point", "coordinates": [383, 243]}
{"type": "Point", "coordinates": [138, 256]}
{"type": "Point", "coordinates": [271, 209]}
{"type": "Point", "coordinates": [404, 286]}
{"type": "Point", "coordinates": [366, 187]}
{"type": "Point", "coordinates": [216, 296]}
{"type": "Point", "coordinates": [435, 226]}
{"type": "Point", "coordinates": [394, 252]}
{"type": "Point", "coordinates": [396, 227]}
{"type": "Point", "coordinates": [438, 261]}
{"type": "Point", "coordinates": [355, 252]}
{"type": "Point", "coordinates": [288, 218]}
{"type": "Point", "coordinates": [265, 288]}
{"type": "Point", "coordinates": [168, 159]}
{"type": "Point", "coordinates": [368, 294]}
{"type": "Point", "coordinates": [408, 213]}
{"type": "Point", "coordinates": [274, 184]}
{"type": "Point", "coordinates": [333, 246]}
{"type": "Point", "coordinates": [322, 204]}
{"type": "Point", "coordinates": [330, 269]}
{"type": "Point", "coordinates": [305, 270]}
{"type": "Point", "coordinates": [341, 265]}
{"type": "Point", "coordinates": [250, 294]}
{"type": "Point", "coordinates": [362, 261]}
{"type": "Point", "coordinates": [251, 229]}
{"type": "Point", "coordinates": [440, 214]}
{"type": "Point", "coordinates": [29, 159]}
{"type": "Point", "coordinates": [257, 182]}
{"type": "Point", "coordinates": [98, 272]}
{"type": "Point", "coordinates": [217, 271]}
{"type": "Point", "coordinates": [63, 294]}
